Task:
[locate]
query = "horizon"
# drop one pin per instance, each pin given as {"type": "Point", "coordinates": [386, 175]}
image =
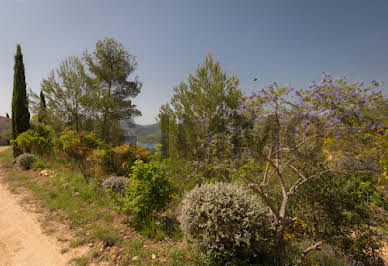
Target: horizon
{"type": "Point", "coordinates": [290, 43]}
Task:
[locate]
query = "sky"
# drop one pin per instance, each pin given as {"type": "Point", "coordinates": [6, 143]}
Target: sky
{"type": "Point", "coordinates": [291, 42]}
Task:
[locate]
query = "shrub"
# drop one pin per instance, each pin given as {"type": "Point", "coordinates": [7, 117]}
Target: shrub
{"type": "Point", "coordinates": [25, 160]}
{"type": "Point", "coordinates": [148, 190]}
{"type": "Point", "coordinates": [96, 158]}
{"type": "Point", "coordinates": [37, 140]}
{"type": "Point", "coordinates": [39, 163]}
{"type": "Point", "coordinates": [78, 146]}
{"type": "Point", "coordinates": [116, 184]}
{"type": "Point", "coordinates": [119, 160]}
{"type": "Point", "coordinates": [228, 222]}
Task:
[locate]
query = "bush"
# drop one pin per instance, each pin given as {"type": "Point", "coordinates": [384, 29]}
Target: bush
{"type": "Point", "coordinates": [25, 160]}
{"type": "Point", "coordinates": [228, 222]}
{"type": "Point", "coordinates": [37, 140]}
{"type": "Point", "coordinates": [119, 160]}
{"type": "Point", "coordinates": [98, 171]}
{"type": "Point", "coordinates": [148, 190]}
{"type": "Point", "coordinates": [39, 163]}
{"type": "Point", "coordinates": [78, 146]}
{"type": "Point", "coordinates": [115, 184]}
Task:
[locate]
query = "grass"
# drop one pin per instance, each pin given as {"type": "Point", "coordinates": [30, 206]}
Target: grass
{"type": "Point", "coordinates": [64, 250]}
{"type": "Point", "coordinates": [90, 214]}
{"type": "Point", "coordinates": [81, 261]}
{"type": "Point", "coordinates": [108, 234]}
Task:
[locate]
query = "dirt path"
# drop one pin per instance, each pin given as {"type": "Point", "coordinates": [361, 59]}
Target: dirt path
{"type": "Point", "coordinates": [21, 239]}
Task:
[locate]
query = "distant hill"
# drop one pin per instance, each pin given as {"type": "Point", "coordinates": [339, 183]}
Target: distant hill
{"type": "Point", "coordinates": [148, 134]}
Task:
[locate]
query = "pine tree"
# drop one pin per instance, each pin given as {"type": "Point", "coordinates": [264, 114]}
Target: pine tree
{"type": "Point", "coordinates": [111, 65]}
{"type": "Point", "coordinates": [42, 107]}
{"type": "Point", "coordinates": [7, 115]}
{"type": "Point", "coordinates": [203, 104]}
{"type": "Point", "coordinates": [20, 113]}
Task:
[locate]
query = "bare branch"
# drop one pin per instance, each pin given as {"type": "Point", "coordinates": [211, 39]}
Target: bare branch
{"type": "Point", "coordinates": [301, 182]}
{"type": "Point", "coordinates": [287, 149]}
{"type": "Point", "coordinates": [315, 246]}
{"type": "Point", "coordinates": [301, 176]}
{"type": "Point", "coordinates": [259, 190]}
{"type": "Point", "coordinates": [267, 167]}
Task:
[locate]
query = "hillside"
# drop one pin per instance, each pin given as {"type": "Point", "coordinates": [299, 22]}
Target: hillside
{"type": "Point", "coordinates": [148, 134]}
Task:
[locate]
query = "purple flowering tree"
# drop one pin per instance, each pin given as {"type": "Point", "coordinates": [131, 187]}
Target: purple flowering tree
{"type": "Point", "coordinates": [280, 141]}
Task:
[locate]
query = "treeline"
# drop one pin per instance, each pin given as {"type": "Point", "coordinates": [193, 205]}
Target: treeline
{"type": "Point", "coordinates": [90, 93]}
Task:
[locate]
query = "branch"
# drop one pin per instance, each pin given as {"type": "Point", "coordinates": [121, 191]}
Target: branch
{"type": "Point", "coordinates": [315, 246]}
{"type": "Point", "coordinates": [254, 185]}
{"type": "Point", "coordinates": [302, 181]}
{"type": "Point", "coordinates": [267, 167]}
{"type": "Point", "coordinates": [297, 145]}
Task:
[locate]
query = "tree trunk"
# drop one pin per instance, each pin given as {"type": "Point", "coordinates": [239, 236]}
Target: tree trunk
{"type": "Point", "coordinates": [280, 245]}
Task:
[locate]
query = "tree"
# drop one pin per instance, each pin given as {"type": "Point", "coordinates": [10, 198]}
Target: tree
{"type": "Point", "coordinates": [111, 65]}
{"type": "Point", "coordinates": [282, 155]}
{"type": "Point", "coordinates": [205, 104]}
{"type": "Point", "coordinates": [42, 107]}
{"type": "Point", "coordinates": [7, 115]}
{"type": "Point", "coordinates": [69, 92]}
{"type": "Point", "coordinates": [20, 112]}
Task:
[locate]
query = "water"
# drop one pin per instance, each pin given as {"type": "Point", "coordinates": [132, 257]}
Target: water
{"type": "Point", "coordinates": [147, 145]}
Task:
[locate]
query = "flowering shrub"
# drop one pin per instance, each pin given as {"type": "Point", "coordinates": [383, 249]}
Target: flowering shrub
{"type": "Point", "coordinates": [35, 141]}
{"type": "Point", "coordinates": [228, 222]}
{"type": "Point", "coordinates": [148, 190]}
{"type": "Point", "coordinates": [282, 140]}
{"type": "Point", "coordinates": [78, 146]}
{"type": "Point", "coordinates": [25, 160]}
{"type": "Point", "coordinates": [120, 159]}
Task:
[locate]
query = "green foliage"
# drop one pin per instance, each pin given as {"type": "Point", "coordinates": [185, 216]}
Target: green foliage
{"type": "Point", "coordinates": [36, 141]}
{"type": "Point", "coordinates": [119, 160]}
{"type": "Point", "coordinates": [78, 146]}
{"type": "Point", "coordinates": [70, 95]}
{"type": "Point", "coordinates": [332, 211]}
{"type": "Point", "coordinates": [149, 190]}
{"type": "Point", "coordinates": [20, 112]}
{"type": "Point", "coordinates": [111, 65]}
{"type": "Point", "coordinates": [107, 234]}
{"type": "Point", "coordinates": [42, 108]}
{"type": "Point", "coordinates": [39, 164]}
{"type": "Point", "coordinates": [278, 144]}
{"type": "Point", "coordinates": [229, 223]}
{"type": "Point", "coordinates": [205, 104]}
{"type": "Point", "coordinates": [25, 160]}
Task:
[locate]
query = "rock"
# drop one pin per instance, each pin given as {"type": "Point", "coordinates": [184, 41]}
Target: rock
{"type": "Point", "coordinates": [44, 173]}
{"type": "Point", "coordinates": [135, 258]}
{"type": "Point", "coordinates": [153, 256]}
{"type": "Point", "coordinates": [91, 244]}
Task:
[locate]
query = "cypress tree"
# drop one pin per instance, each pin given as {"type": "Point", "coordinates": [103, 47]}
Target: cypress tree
{"type": "Point", "coordinates": [42, 107]}
{"type": "Point", "coordinates": [20, 113]}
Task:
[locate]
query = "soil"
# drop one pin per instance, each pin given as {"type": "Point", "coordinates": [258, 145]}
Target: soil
{"type": "Point", "coordinates": [22, 241]}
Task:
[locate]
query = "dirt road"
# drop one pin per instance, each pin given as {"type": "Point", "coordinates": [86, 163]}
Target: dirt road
{"type": "Point", "coordinates": [21, 239]}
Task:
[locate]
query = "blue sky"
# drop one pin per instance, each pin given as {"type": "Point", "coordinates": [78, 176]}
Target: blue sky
{"type": "Point", "coordinates": [286, 41]}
